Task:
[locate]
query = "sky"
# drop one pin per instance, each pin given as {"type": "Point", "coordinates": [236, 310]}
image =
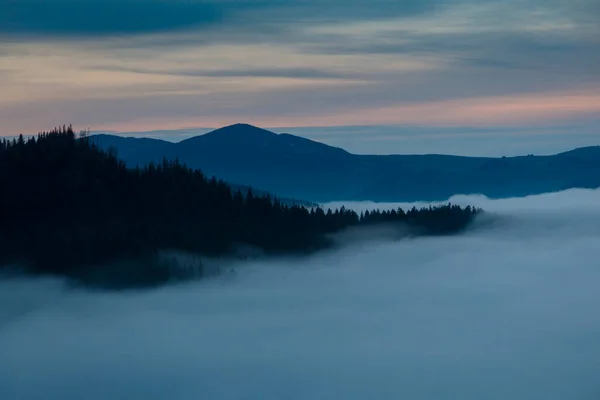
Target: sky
{"type": "Point", "coordinates": [499, 312]}
{"type": "Point", "coordinates": [502, 68]}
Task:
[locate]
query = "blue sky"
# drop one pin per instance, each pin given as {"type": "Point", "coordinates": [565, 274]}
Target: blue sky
{"type": "Point", "coordinates": [516, 70]}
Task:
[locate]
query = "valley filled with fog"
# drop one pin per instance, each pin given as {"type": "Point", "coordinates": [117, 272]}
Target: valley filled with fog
{"type": "Point", "coordinates": [507, 310]}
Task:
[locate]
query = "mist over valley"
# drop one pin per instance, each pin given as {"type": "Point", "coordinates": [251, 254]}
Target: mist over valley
{"type": "Point", "coordinates": [505, 310]}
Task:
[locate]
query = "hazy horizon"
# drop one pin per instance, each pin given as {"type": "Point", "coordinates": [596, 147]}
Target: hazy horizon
{"type": "Point", "coordinates": [406, 139]}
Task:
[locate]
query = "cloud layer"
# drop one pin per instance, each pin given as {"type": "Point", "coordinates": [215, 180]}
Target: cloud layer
{"type": "Point", "coordinates": [64, 18]}
{"type": "Point", "coordinates": [505, 311]}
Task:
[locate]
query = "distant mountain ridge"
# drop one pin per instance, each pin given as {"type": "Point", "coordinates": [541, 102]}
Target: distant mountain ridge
{"type": "Point", "coordinates": [296, 167]}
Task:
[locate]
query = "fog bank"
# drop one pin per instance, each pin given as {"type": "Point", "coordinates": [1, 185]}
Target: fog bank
{"type": "Point", "coordinates": [506, 311]}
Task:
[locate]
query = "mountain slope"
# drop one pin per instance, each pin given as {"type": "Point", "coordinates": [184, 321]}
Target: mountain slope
{"type": "Point", "coordinates": [292, 166]}
{"type": "Point", "coordinates": [136, 151]}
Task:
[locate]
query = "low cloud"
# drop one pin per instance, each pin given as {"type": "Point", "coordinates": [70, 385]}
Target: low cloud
{"type": "Point", "coordinates": [505, 311]}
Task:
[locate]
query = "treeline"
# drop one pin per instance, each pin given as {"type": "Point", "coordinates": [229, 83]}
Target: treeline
{"type": "Point", "coordinates": [66, 206]}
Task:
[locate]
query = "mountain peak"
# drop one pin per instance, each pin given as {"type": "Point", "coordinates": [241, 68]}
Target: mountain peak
{"type": "Point", "coordinates": [242, 130]}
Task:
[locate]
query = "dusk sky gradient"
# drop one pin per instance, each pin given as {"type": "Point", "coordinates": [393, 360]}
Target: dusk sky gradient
{"type": "Point", "coordinates": [405, 76]}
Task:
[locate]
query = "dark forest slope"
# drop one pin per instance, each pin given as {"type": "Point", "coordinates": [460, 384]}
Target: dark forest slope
{"type": "Point", "coordinates": [68, 208]}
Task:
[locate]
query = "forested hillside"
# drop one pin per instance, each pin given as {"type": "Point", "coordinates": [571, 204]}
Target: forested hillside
{"type": "Point", "coordinates": [67, 206]}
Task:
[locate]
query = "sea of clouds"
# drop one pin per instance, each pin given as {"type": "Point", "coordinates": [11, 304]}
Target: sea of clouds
{"type": "Point", "coordinates": [508, 310]}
